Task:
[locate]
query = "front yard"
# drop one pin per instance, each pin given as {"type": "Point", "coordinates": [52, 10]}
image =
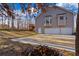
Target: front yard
{"type": "Point", "coordinates": [7, 45]}
{"type": "Point", "coordinates": [5, 37]}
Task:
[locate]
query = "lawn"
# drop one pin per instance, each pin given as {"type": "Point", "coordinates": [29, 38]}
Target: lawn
{"type": "Point", "coordinates": [7, 46]}
{"type": "Point", "coordinates": [5, 37]}
{"type": "Point", "coordinates": [15, 34]}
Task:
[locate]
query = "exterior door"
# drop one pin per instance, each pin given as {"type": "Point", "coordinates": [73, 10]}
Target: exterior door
{"type": "Point", "coordinates": [62, 24]}
{"type": "Point", "coordinates": [39, 30]}
{"type": "Point", "coordinates": [61, 20]}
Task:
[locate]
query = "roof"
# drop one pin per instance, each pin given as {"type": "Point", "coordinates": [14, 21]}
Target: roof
{"type": "Point", "coordinates": [62, 8]}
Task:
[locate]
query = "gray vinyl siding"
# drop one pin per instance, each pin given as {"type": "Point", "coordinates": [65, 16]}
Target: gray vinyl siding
{"type": "Point", "coordinates": [54, 12]}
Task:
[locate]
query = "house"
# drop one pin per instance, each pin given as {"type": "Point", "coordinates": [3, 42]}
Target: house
{"type": "Point", "coordinates": [56, 20]}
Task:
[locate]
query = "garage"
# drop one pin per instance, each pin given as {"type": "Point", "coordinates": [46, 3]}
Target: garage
{"type": "Point", "coordinates": [58, 31]}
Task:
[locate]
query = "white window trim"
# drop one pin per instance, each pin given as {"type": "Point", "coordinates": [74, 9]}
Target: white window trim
{"type": "Point", "coordinates": [49, 19]}
{"type": "Point", "coordinates": [63, 16]}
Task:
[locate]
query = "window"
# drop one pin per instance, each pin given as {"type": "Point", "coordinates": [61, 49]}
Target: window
{"type": "Point", "coordinates": [61, 17]}
{"type": "Point", "coordinates": [48, 20]}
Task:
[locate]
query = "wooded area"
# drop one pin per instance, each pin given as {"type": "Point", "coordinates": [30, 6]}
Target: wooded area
{"type": "Point", "coordinates": [11, 19]}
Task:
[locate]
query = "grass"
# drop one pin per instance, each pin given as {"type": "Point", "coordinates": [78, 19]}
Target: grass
{"type": "Point", "coordinates": [15, 34]}
{"type": "Point", "coordinates": [67, 53]}
{"type": "Point", "coordinates": [7, 45]}
{"type": "Point", "coordinates": [70, 41]}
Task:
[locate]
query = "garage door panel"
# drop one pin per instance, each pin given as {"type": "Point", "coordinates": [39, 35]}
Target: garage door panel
{"type": "Point", "coordinates": [52, 31]}
{"type": "Point", "coordinates": [58, 31]}
{"type": "Point", "coordinates": [66, 30]}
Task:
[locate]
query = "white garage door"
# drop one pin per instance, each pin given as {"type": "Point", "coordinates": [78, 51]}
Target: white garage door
{"type": "Point", "coordinates": [52, 31]}
{"type": "Point", "coordinates": [66, 30]}
{"type": "Point", "coordinates": [58, 31]}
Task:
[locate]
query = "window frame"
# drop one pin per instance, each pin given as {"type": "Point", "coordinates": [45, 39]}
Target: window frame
{"type": "Point", "coordinates": [62, 16]}
{"type": "Point", "coordinates": [62, 20]}
{"type": "Point", "coordinates": [48, 18]}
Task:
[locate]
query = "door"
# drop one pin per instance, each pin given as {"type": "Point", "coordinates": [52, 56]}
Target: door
{"type": "Point", "coordinates": [39, 30]}
{"type": "Point", "coordinates": [62, 20]}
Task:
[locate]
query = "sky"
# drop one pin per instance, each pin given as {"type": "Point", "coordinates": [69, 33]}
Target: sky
{"type": "Point", "coordinates": [17, 5]}
{"type": "Point", "coordinates": [60, 4]}
{"type": "Point", "coordinates": [33, 5]}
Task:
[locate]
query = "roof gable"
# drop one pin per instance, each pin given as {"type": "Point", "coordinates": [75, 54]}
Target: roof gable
{"type": "Point", "coordinates": [61, 8]}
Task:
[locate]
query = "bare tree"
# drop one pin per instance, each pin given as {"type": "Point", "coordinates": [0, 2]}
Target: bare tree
{"type": "Point", "coordinates": [25, 8]}
{"type": "Point", "coordinates": [9, 13]}
{"type": "Point", "coordinates": [77, 34]}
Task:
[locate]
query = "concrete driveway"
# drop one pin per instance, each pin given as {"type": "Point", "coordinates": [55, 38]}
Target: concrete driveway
{"type": "Point", "coordinates": [66, 42]}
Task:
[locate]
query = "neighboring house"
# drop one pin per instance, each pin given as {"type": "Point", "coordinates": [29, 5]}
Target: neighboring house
{"type": "Point", "coordinates": [56, 20]}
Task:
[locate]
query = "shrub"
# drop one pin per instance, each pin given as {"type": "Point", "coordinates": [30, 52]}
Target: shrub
{"type": "Point", "coordinates": [41, 51]}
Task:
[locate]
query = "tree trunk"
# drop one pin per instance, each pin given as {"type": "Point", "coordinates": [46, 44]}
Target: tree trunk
{"type": "Point", "coordinates": [12, 24]}
{"type": "Point", "coordinates": [8, 23]}
{"type": "Point", "coordinates": [17, 24]}
{"type": "Point", "coordinates": [2, 22]}
{"type": "Point", "coordinates": [25, 25]}
{"type": "Point", "coordinates": [77, 34]}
